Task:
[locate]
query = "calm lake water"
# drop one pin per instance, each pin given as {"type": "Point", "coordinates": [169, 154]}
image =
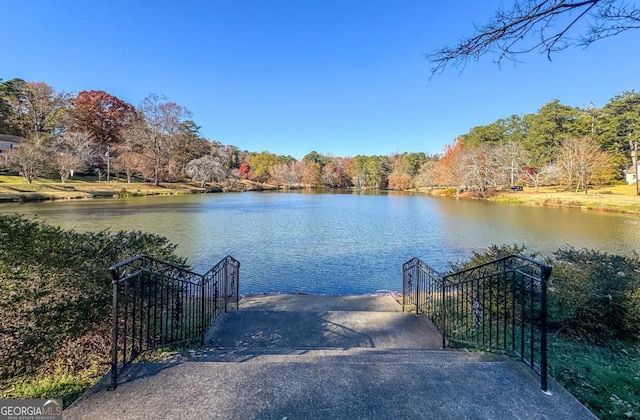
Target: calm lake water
{"type": "Point", "coordinates": [331, 243]}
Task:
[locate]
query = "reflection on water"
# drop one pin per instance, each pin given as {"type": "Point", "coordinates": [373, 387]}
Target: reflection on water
{"type": "Point", "coordinates": [337, 243]}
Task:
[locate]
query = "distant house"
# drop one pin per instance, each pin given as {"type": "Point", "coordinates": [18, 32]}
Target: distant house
{"type": "Point", "coordinates": [8, 142]}
{"type": "Point", "coordinates": [631, 174]}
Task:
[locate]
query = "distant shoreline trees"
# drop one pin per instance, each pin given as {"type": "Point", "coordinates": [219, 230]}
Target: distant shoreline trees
{"type": "Point", "coordinates": [96, 132]}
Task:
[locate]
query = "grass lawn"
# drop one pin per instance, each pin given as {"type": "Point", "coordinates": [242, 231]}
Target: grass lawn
{"type": "Point", "coordinates": [15, 188]}
{"type": "Point", "coordinates": [606, 379]}
{"type": "Point", "coordinates": [613, 198]}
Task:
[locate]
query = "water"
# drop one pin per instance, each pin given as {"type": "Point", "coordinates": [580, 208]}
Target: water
{"type": "Point", "coordinates": [337, 243]}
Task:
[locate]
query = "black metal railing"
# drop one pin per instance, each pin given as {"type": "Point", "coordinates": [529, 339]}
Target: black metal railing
{"type": "Point", "coordinates": [156, 304]}
{"type": "Point", "coordinates": [499, 306]}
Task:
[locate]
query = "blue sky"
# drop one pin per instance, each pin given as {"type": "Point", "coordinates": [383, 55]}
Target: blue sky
{"type": "Point", "coordinates": [341, 77]}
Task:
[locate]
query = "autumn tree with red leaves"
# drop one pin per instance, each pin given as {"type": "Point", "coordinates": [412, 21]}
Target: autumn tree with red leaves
{"type": "Point", "coordinates": [103, 115]}
{"type": "Point", "coordinates": [245, 170]}
{"type": "Point", "coordinates": [451, 168]}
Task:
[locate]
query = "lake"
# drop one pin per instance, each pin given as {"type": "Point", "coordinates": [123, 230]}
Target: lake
{"type": "Point", "coordinates": [336, 243]}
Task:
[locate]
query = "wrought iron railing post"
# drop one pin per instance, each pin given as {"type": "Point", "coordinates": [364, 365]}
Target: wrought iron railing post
{"type": "Point", "coordinates": [176, 308]}
{"type": "Point", "coordinates": [545, 274]}
{"type": "Point", "coordinates": [417, 297]}
{"type": "Point", "coordinates": [237, 282]}
{"type": "Point", "coordinates": [203, 309]}
{"type": "Point", "coordinates": [404, 289]}
{"type": "Point", "coordinates": [114, 333]}
{"type": "Point", "coordinates": [490, 284]}
{"type": "Point", "coordinates": [225, 276]}
{"type": "Point", "coordinates": [443, 313]}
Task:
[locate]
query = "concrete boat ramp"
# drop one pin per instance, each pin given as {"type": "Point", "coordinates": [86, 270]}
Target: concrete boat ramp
{"type": "Point", "coordinates": [327, 357]}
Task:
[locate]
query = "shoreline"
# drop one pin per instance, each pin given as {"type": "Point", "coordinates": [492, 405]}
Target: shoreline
{"type": "Point", "coordinates": [87, 190]}
{"type": "Point", "coordinates": [604, 203]}
{"type": "Point", "coordinates": [610, 199]}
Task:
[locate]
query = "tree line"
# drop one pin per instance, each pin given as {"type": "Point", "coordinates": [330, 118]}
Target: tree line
{"type": "Point", "coordinates": [559, 145]}
{"type": "Point", "coordinates": [94, 131]}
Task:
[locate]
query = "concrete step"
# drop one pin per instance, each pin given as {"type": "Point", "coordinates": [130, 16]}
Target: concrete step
{"type": "Point", "coordinates": [331, 329]}
{"type": "Point", "coordinates": [353, 355]}
{"type": "Point", "coordinates": [316, 357]}
{"type": "Point", "coordinates": [314, 303]}
{"type": "Point", "coordinates": [298, 387]}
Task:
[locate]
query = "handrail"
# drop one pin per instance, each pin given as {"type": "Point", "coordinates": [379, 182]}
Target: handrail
{"type": "Point", "coordinates": [227, 271]}
{"type": "Point", "coordinates": [129, 263]}
{"type": "Point", "coordinates": [157, 303]}
{"type": "Point", "coordinates": [500, 305]}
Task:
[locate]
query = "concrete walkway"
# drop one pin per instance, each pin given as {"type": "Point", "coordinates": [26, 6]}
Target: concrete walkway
{"type": "Point", "coordinates": [304, 357]}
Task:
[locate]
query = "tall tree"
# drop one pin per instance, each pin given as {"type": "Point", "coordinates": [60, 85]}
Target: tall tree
{"type": "Point", "coordinates": [30, 109]}
{"type": "Point", "coordinates": [72, 152]}
{"type": "Point", "coordinates": [161, 126]}
{"type": "Point", "coordinates": [186, 145]}
{"type": "Point", "coordinates": [404, 166]}
{"type": "Point", "coordinates": [482, 166]}
{"type": "Point", "coordinates": [311, 173]}
{"type": "Point", "coordinates": [451, 168]}
{"type": "Point", "coordinates": [101, 114]}
{"type": "Point", "coordinates": [583, 163]}
{"type": "Point", "coordinates": [619, 123]}
{"type": "Point", "coordinates": [316, 157]}
{"type": "Point", "coordinates": [426, 176]}
{"type": "Point", "coordinates": [31, 159]}
{"type": "Point", "coordinates": [553, 123]}
{"type": "Point", "coordinates": [41, 109]}
{"type": "Point", "coordinates": [546, 26]}
{"type": "Point", "coordinates": [370, 171]}
{"type": "Point", "coordinates": [512, 159]}
{"type": "Point", "coordinates": [493, 133]}
{"type": "Point", "coordinates": [9, 98]}
{"type": "Point", "coordinates": [206, 168]}
{"type": "Point", "coordinates": [335, 174]}
{"type": "Point", "coordinates": [261, 164]}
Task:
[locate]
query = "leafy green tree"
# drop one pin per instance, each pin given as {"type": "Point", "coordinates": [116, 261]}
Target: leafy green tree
{"type": "Point", "coordinates": [316, 157]}
{"type": "Point", "coordinates": [30, 109]}
{"type": "Point", "coordinates": [370, 171]}
{"type": "Point", "coordinates": [493, 133]}
{"type": "Point", "coordinates": [42, 109]}
{"type": "Point", "coordinates": [187, 145]}
{"type": "Point", "coordinates": [403, 168]}
{"type": "Point", "coordinates": [553, 123]}
{"type": "Point", "coordinates": [262, 162]}
{"type": "Point", "coordinates": [9, 94]}
{"type": "Point", "coordinates": [619, 123]}
{"type": "Point", "coordinates": [504, 130]}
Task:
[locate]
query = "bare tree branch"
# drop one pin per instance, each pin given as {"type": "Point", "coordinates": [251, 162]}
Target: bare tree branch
{"type": "Point", "coordinates": [540, 25]}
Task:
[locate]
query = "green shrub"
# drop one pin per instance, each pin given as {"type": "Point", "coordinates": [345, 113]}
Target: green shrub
{"type": "Point", "coordinates": [56, 294]}
{"type": "Point", "coordinates": [595, 296]}
{"type": "Point", "coordinates": [493, 252]}
{"type": "Point", "coordinates": [592, 296]}
{"type": "Point", "coordinates": [594, 320]}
